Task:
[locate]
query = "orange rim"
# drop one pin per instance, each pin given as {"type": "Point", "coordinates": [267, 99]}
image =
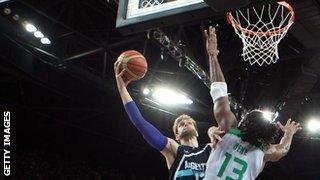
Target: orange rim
{"type": "Point", "coordinates": [236, 24]}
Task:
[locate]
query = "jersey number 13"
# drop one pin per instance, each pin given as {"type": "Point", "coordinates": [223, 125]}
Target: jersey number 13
{"type": "Point", "coordinates": [226, 162]}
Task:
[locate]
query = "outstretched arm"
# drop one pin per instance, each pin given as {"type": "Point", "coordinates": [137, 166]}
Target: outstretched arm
{"type": "Point", "coordinates": [152, 135]}
{"type": "Point", "coordinates": [168, 147]}
{"type": "Point", "coordinates": [218, 90]}
{"type": "Point", "coordinates": [278, 151]}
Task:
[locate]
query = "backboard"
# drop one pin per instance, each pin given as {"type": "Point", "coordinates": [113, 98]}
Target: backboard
{"type": "Point", "coordinates": [140, 15]}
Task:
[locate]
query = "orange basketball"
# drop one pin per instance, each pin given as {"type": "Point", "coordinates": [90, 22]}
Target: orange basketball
{"type": "Point", "coordinates": [134, 63]}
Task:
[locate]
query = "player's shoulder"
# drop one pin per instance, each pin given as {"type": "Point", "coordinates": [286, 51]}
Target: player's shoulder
{"type": "Point", "coordinates": [171, 148]}
{"type": "Point", "coordinates": [200, 148]}
{"type": "Point", "coordinates": [234, 135]}
{"type": "Point", "coordinates": [205, 147]}
{"type": "Point", "coordinates": [172, 144]}
{"type": "Point", "coordinates": [235, 132]}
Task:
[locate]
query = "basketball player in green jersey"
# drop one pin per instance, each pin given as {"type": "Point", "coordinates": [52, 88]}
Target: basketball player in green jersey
{"type": "Point", "coordinates": [246, 147]}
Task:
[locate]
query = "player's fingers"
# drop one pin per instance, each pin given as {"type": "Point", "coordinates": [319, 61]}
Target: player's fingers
{"type": "Point", "coordinates": [297, 125]}
{"type": "Point", "coordinates": [218, 137]}
{"type": "Point", "coordinates": [219, 132]}
{"type": "Point", "coordinates": [213, 33]}
{"type": "Point", "coordinates": [288, 122]}
{"type": "Point", "coordinates": [280, 125]}
{"type": "Point", "coordinates": [211, 130]}
{"type": "Point", "coordinates": [118, 70]}
{"type": "Point", "coordinates": [212, 139]}
{"type": "Point", "coordinates": [116, 64]}
{"type": "Point", "coordinates": [115, 67]}
{"type": "Point", "coordinates": [121, 73]}
{"type": "Point", "coordinates": [127, 82]}
{"type": "Point", "coordinates": [205, 34]}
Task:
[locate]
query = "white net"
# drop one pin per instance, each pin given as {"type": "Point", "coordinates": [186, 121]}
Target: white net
{"type": "Point", "coordinates": [261, 30]}
{"type": "Point", "coordinates": [150, 3]}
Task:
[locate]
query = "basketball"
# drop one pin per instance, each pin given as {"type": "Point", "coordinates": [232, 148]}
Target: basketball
{"type": "Point", "coordinates": [135, 65]}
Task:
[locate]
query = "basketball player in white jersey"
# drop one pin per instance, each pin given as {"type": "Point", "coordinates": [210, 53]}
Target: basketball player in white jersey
{"type": "Point", "coordinates": [246, 147]}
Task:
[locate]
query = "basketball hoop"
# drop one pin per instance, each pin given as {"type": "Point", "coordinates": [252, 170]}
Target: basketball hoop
{"type": "Point", "coordinates": [261, 30]}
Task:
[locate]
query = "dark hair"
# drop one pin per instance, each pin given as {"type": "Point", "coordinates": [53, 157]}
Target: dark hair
{"type": "Point", "coordinates": [257, 130]}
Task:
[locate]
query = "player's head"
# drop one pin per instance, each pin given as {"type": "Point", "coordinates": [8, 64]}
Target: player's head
{"type": "Point", "coordinates": [185, 127]}
{"type": "Point", "coordinates": [257, 130]}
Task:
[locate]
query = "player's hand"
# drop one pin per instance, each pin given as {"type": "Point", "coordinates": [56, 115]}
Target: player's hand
{"type": "Point", "coordinates": [291, 127]}
{"type": "Point", "coordinates": [211, 41]}
{"type": "Point", "coordinates": [215, 135]}
{"type": "Point", "coordinates": [119, 75]}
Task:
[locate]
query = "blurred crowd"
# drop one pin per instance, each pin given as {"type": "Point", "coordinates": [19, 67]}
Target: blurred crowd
{"type": "Point", "coordinates": [41, 165]}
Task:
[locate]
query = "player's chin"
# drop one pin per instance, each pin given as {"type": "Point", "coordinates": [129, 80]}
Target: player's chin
{"type": "Point", "coordinates": [188, 133]}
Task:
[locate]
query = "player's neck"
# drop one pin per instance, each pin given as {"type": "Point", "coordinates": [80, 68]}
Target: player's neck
{"type": "Point", "coordinates": [192, 142]}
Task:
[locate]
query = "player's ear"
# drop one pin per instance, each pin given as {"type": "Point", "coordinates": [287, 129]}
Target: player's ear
{"type": "Point", "coordinates": [177, 137]}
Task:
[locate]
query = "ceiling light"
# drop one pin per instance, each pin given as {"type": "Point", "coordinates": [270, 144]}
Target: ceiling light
{"type": "Point", "coordinates": [314, 125]}
{"type": "Point", "coordinates": [38, 34]}
{"type": "Point", "coordinates": [146, 91]}
{"type": "Point", "coordinates": [30, 27]}
{"type": "Point", "coordinates": [170, 97]}
{"type": "Point", "coordinates": [7, 11]}
{"type": "Point", "coordinates": [45, 41]}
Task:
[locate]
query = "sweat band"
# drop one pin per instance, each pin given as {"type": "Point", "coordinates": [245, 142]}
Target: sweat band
{"type": "Point", "coordinates": [218, 90]}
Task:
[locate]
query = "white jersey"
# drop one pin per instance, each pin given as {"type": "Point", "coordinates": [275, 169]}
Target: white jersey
{"type": "Point", "coordinates": [234, 159]}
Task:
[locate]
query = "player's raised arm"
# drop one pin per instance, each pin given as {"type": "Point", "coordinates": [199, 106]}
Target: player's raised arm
{"type": "Point", "coordinates": [218, 89]}
{"type": "Point", "coordinates": [277, 151]}
{"type": "Point", "coordinates": [151, 134]}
